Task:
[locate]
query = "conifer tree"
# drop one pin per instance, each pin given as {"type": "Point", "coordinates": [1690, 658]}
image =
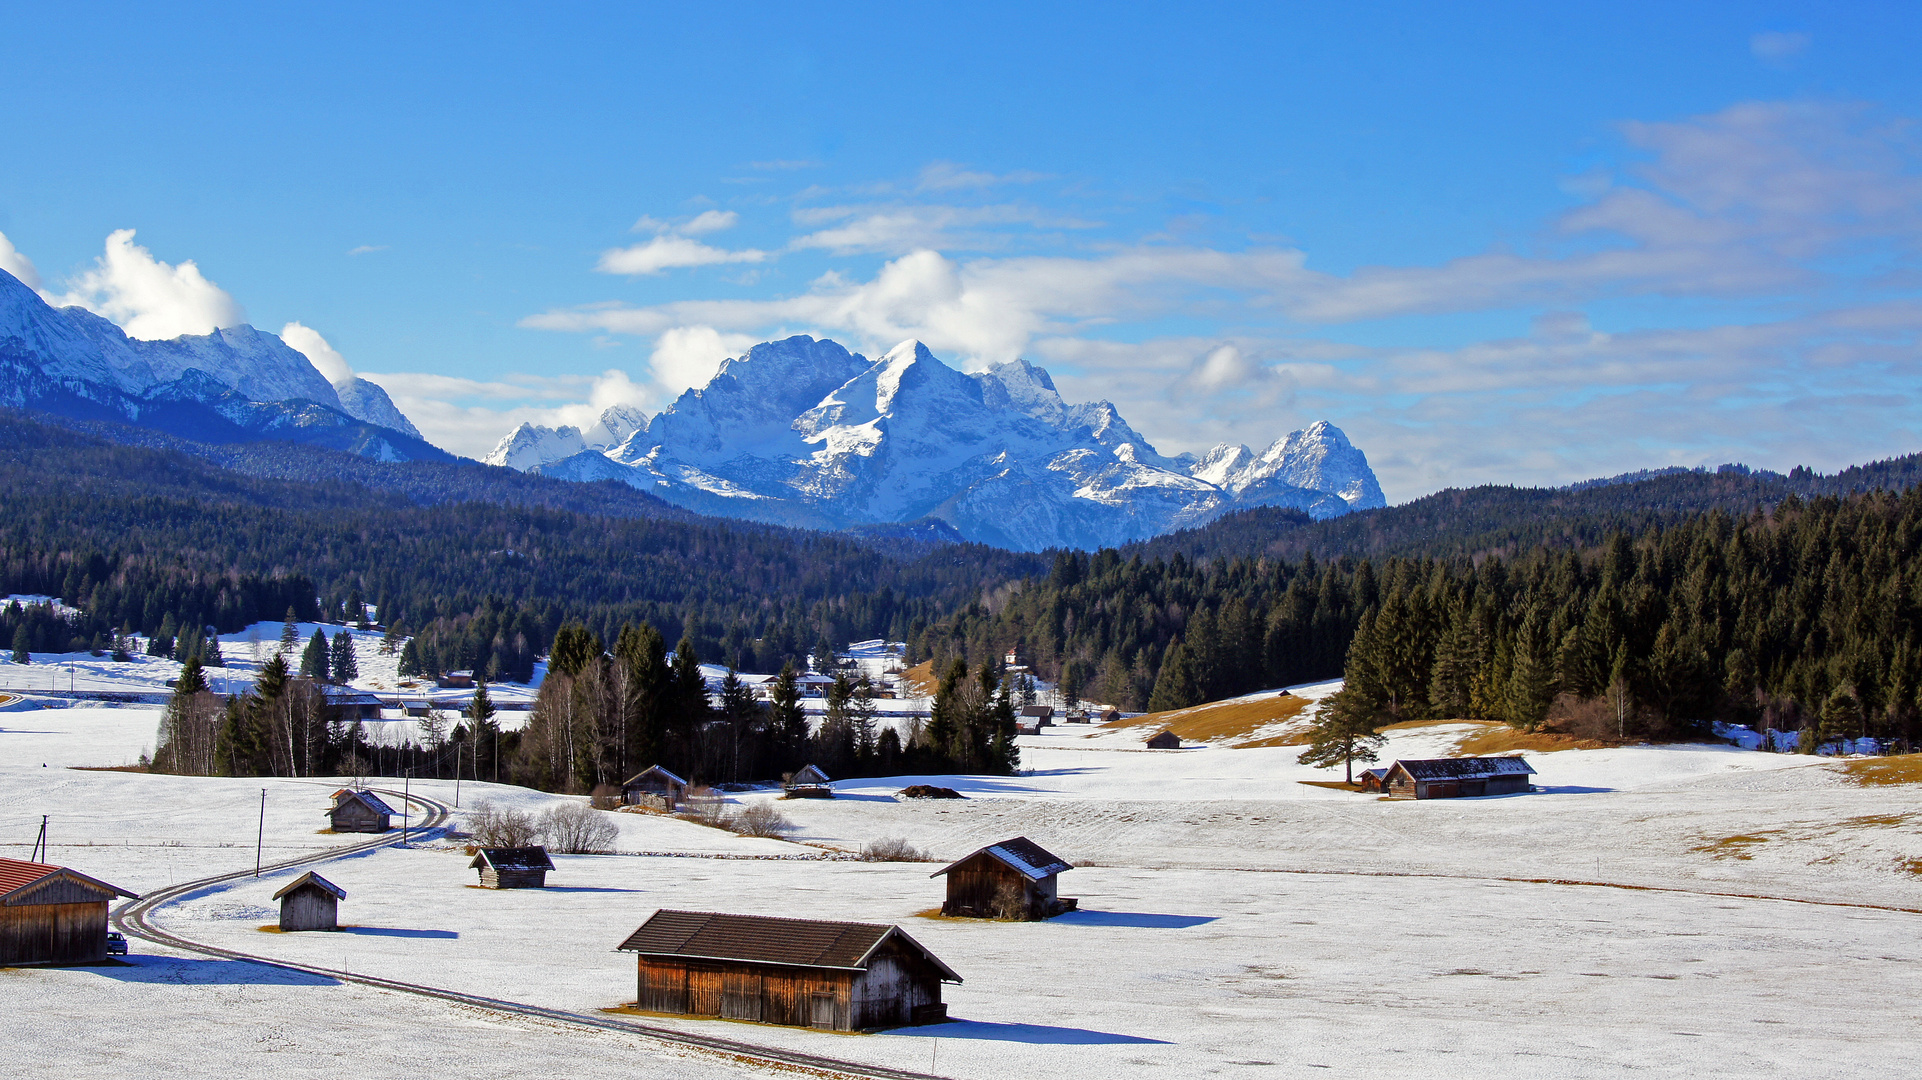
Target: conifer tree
{"type": "Point", "coordinates": [1344, 732]}
{"type": "Point", "coordinates": [345, 665]}
{"type": "Point", "coordinates": [1175, 687]}
{"type": "Point", "coordinates": [289, 633]}
{"type": "Point", "coordinates": [789, 720]}
{"type": "Point", "coordinates": [314, 659]}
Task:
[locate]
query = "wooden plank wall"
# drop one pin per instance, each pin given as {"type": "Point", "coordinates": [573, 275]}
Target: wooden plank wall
{"type": "Point", "coordinates": [73, 933]}
{"type": "Point", "coordinates": [769, 994]}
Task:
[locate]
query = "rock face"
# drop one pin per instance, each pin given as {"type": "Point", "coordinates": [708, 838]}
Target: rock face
{"type": "Point", "coordinates": [231, 385]}
{"type": "Point", "coordinates": [531, 446]}
{"type": "Point", "coordinates": [804, 432]}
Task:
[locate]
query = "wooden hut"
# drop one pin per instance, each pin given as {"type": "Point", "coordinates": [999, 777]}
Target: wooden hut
{"type": "Point", "coordinates": [1371, 779]}
{"type": "Point", "coordinates": [1164, 740]}
{"type": "Point", "coordinates": [1014, 879]}
{"type": "Point", "coordinates": [359, 811]}
{"type": "Point", "coordinates": [52, 915]}
{"type": "Point", "coordinates": [1457, 778]}
{"type": "Point", "coordinates": [346, 704]}
{"type": "Point", "coordinates": [1039, 715]}
{"type": "Point", "coordinates": [654, 786]}
{"type": "Point", "coordinates": [809, 783]}
{"type": "Point", "coordinates": [310, 902]}
{"type": "Point", "coordinates": [456, 680]}
{"type": "Point", "coordinates": [1108, 714]}
{"type": "Point", "coordinates": [512, 867]}
{"type": "Point", "coordinates": [842, 976]}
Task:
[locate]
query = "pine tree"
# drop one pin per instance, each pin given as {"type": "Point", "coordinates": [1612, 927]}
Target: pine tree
{"type": "Point", "coordinates": [314, 660]}
{"type": "Point", "coordinates": [1175, 687]}
{"type": "Point", "coordinates": [789, 719]}
{"type": "Point", "coordinates": [289, 634]}
{"type": "Point", "coordinates": [1344, 731]}
{"type": "Point", "coordinates": [346, 666]}
{"type": "Point", "coordinates": [22, 642]}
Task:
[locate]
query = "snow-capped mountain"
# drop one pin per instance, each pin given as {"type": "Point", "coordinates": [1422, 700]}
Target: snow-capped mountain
{"type": "Point", "coordinates": [232, 384]}
{"type": "Point", "coordinates": [532, 445]}
{"type": "Point", "coordinates": [804, 432]}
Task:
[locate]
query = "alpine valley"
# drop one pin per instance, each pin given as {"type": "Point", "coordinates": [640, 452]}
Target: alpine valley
{"type": "Point", "coordinates": [803, 432]}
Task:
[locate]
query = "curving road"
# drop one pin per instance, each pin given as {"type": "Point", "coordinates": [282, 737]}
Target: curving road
{"type": "Point", "coordinates": [133, 918]}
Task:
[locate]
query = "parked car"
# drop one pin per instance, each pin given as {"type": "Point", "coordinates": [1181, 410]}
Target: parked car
{"type": "Point", "coordinates": [116, 945]}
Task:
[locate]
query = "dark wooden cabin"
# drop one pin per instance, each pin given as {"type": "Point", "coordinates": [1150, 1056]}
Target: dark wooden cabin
{"type": "Point", "coordinates": [842, 976]}
{"type": "Point", "coordinates": [52, 915]}
{"type": "Point", "coordinates": [456, 680]}
{"type": "Point", "coordinates": [654, 786]}
{"type": "Point", "coordinates": [310, 902]}
{"type": "Point", "coordinates": [512, 867]}
{"type": "Point", "coordinates": [359, 811]}
{"type": "Point", "coordinates": [346, 704]}
{"type": "Point", "coordinates": [809, 783]}
{"type": "Point", "coordinates": [1371, 780]}
{"type": "Point", "coordinates": [1108, 715]}
{"type": "Point", "coordinates": [1039, 715]}
{"type": "Point", "coordinates": [1164, 740]}
{"type": "Point", "coordinates": [1457, 778]}
{"type": "Point", "coordinates": [1014, 879]}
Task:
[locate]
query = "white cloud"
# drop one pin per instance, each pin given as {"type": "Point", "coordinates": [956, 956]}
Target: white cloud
{"type": "Point", "coordinates": [667, 252]}
{"type": "Point", "coordinates": [367, 249]}
{"type": "Point", "coordinates": [687, 356]}
{"type": "Point", "coordinates": [896, 230]}
{"type": "Point", "coordinates": [948, 176]}
{"type": "Point", "coordinates": [327, 359]}
{"type": "Point", "coordinates": [150, 299]}
{"type": "Point", "coordinates": [1778, 45]}
{"type": "Point", "coordinates": [708, 221]}
{"type": "Point", "coordinates": [468, 416]}
{"type": "Point", "coordinates": [17, 264]}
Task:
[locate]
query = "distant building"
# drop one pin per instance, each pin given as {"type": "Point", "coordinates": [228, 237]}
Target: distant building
{"type": "Point", "coordinates": [840, 976]}
{"type": "Point", "coordinates": [359, 811]}
{"type": "Point", "coordinates": [809, 783]}
{"type": "Point", "coordinates": [512, 867]}
{"type": "Point", "coordinates": [656, 787]}
{"type": "Point", "coordinates": [1108, 714]}
{"type": "Point", "coordinates": [456, 680]}
{"type": "Point", "coordinates": [1014, 879]}
{"type": "Point", "coordinates": [1040, 715]}
{"type": "Point", "coordinates": [52, 915]}
{"type": "Point", "coordinates": [1371, 779]}
{"type": "Point", "coordinates": [310, 902]}
{"type": "Point", "coordinates": [1457, 778]}
{"type": "Point", "coordinates": [1164, 740]}
{"type": "Point", "coordinates": [346, 704]}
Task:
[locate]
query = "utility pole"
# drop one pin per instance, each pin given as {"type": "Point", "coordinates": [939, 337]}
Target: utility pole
{"type": "Point", "coordinates": [260, 840]}
{"type": "Point", "coordinates": [406, 785]}
{"type": "Point", "coordinates": [457, 776]}
{"type": "Point", "coordinates": [40, 845]}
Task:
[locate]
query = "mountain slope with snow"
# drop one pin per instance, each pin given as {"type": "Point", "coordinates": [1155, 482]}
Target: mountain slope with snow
{"type": "Point", "coordinates": [804, 432]}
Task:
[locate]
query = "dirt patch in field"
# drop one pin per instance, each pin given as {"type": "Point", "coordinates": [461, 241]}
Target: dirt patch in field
{"type": "Point", "coordinates": [1238, 720]}
{"type": "Point", "coordinates": [1490, 737]}
{"type": "Point", "coordinates": [1877, 772]}
{"type": "Point", "coordinates": [1731, 847]}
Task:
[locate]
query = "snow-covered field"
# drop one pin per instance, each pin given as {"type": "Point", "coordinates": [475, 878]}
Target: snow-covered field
{"type": "Point", "coordinates": [1666, 911]}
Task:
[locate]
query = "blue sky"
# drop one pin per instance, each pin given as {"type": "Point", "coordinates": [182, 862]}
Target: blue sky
{"type": "Point", "coordinates": [1499, 243]}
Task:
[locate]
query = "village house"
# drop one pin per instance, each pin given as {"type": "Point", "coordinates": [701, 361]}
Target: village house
{"type": "Point", "coordinates": [512, 867]}
{"type": "Point", "coordinates": [456, 680]}
{"type": "Point", "coordinates": [310, 902]}
{"type": "Point", "coordinates": [1042, 715]}
{"type": "Point", "coordinates": [655, 787]}
{"type": "Point", "coordinates": [841, 976]}
{"type": "Point", "coordinates": [359, 811]}
{"type": "Point", "coordinates": [344, 704]}
{"type": "Point", "coordinates": [52, 915]}
{"type": "Point", "coordinates": [1164, 740]}
{"type": "Point", "coordinates": [1014, 879]}
{"type": "Point", "coordinates": [1456, 778]}
{"type": "Point", "coordinates": [809, 783]}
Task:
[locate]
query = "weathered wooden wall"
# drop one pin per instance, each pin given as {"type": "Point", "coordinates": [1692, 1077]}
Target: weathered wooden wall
{"type": "Point", "coordinates": [975, 888]}
{"type": "Point", "coordinates": [61, 933]}
{"type": "Point", "coordinates": [769, 994]}
{"type": "Point", "coordinates": [512, 879]}
{"type": "Point", "coordinates": [356, 817]}
{"type": "Point", "coordinates": [309, 909]}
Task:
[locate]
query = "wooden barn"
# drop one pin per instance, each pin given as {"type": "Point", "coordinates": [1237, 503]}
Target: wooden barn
{"type": "Point", "coordinates": [1371, 780]}
{"type": "Point", "coordinates": [512, 867]}
{"type": "Point", "coordinates": [1457, 778]}
{"type": "Point", "coordinates": [1039, 715]}
{"type": "Point", "coordinates": [1108, 714]}
{"type": "Point", "coordinates": [456, 680]}
{"type": "Point", "coordinates": [809, 783]}
{"type": "Point", "coordinates": [1014, 879]}
{"type": "Point", "coordinates": [842, 976]}
{"type": "Point", "coordinates": [654, 786]}
{"type": "Point", "coordinates": [1164, 740]}
{"type": "Point", "coordinates": [346, 704]}
{"type": "Point", "coordinates": [52, 915]}
{"type": "Point", "coordinates": [310, 902]}
{"type": "Point", "coordinates": [359, 811]}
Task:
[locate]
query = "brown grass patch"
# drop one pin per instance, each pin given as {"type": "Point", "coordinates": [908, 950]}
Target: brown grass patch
{"type": "Point", "coordinates": [1877, 772]}
{"type": "Point", "coordinates": [1227, 720]}
{"type": "Point", "coordinates": [1492, 737]}
{"type": "Point", "coordinates": [1337, 785]}
{"type": "Point", "coordinates": [920, 679]}
{"type": "Point", "coordinates": [1731, 847]}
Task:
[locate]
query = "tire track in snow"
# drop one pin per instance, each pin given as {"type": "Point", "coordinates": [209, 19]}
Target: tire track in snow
{"type": "Point", "coordinates": [133, 918]}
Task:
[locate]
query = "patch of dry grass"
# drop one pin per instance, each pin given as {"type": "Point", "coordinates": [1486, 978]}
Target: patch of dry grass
{"type": "Point", "coordinates": [920, 679]}
{"type": "Point", "coordinates": [1877, 772]}
{"type": "Point", "coordinates": [1227, 720]}
{"type": "Point", "coordinates": [1731, 847]}
{"type": "Point", "coordinates": [1492, 737]}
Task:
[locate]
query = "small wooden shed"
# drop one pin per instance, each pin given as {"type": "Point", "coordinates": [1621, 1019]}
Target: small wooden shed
{"type": "Point", "coordinates": [359, 811]}
{"type": "Point", "coordinates": [1014, 879]}
{"type": "Point", "coordinates": [1457, 778]}
{"type": "Point", "coordinates": [842, 976]}
{"type": "Point", "coordinates": [1371, 779]}
{"type": "Point", "coordinates": [346, 704]}
{"type": "Point", "coordinates": [52, 915]}
{"type": "Point", "coordinates": [1039, 715]}
{"type": "Point", "coordinates": [310, 902]}
{"type": "Point", "coordinates": [1164, 740]}
{"type": "Point", "coordinates": [656, 786]}
{"type": "Point", "coordinates": [1108, 714]}
{"type": "Point", "coordinates": [456, 680]}
{"type": "Point", "coordinates": [809, 783]}
{"type": "Point", "coordinates": [512, 867]}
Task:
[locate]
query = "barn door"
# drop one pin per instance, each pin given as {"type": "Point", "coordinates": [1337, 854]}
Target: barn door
{"type": "Point", "coordinates": [823, 1016]}
{"type": "Point", "coordinates": [703, 991]}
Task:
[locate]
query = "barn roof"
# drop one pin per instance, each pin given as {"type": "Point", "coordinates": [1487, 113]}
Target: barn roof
{"type": "Point", "coordinates": [19, 875]}
{"type": "Point", "coordinates": [1021, 854]}
{"type": "Point", "coordinates": [366, 798]}
{"type": "Point", "coordinates": [316, 881]}
{"type": "Point", "coordinates": [1469, 768]}
{"type": "Point", "coordinates": [1376, 773]}
{"type": "Point", "coordinates": [764, 939]}
{"type": "Point", "coordinates": [809, 774]}
{"type": "Point", "coordinates": [652, 769]}
{"type": "Point", "coordinates": [513, 858]}
{"type": "Point", "coordinates": [1038, 710]}
{"type": "Point", "coordinates": [347, 695]}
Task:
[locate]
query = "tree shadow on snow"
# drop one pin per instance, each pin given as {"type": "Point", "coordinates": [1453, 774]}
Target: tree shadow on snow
{"type": "Point", "coordinates": [1039, 1034]}
{"type": "Point", "coordinates": [588, 888]}
{"type": "Point", "coordinates": [1143, 919]}
{"type": "Point", "coordinates": [394, 931]}
{"type": "Point", "coordinates": [194, 971]}
{"type": "Point", "coordinates": [1555, 789]}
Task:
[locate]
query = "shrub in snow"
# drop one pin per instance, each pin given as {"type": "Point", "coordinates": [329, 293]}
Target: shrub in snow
{"type": "Point", "coordinates": [762, 819]}
{"type": "Point", "coordinates": [893, 849]}
{"type": "Point", "coordinates": [502, 826]}
{"type": "Point", "coordinates": [573, 829]}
